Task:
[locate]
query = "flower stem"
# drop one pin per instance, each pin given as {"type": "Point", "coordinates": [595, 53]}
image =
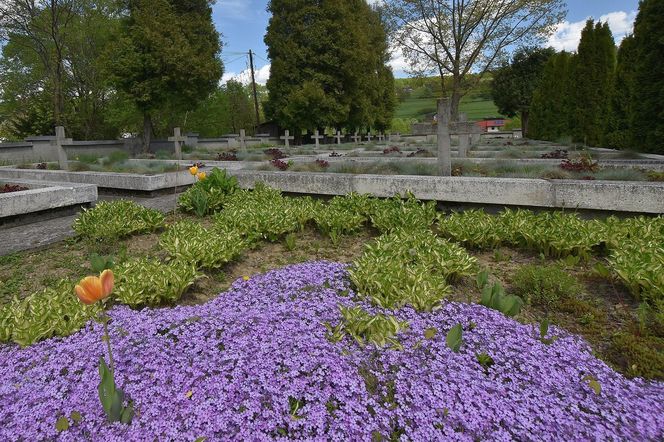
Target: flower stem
{"type": "Point", "coordinates": [107, 338]}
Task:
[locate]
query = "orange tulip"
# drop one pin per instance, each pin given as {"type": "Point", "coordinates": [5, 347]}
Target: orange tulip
{"type": "Point", "coordinates": [92, 289]}
{"type": "Point", "coordinates": [201, 176]}
{"type": "Point", "coordinates": [193, 170]}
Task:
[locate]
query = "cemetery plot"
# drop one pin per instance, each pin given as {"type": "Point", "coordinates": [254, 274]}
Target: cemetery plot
{"type": "Point", "coordinates": [21, 197]}
{"type": "Point", "coordinates": [382, 302]}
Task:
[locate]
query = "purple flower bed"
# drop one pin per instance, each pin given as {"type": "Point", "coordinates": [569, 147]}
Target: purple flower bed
{"type": "Point", "coordinates": [255, 364]}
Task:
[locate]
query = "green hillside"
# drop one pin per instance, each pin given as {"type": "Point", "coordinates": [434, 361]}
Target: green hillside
{"type": "Point", "coordinates": [417, 99]}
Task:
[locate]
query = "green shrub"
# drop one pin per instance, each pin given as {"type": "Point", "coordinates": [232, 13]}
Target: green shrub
{"type": "Point", "coordinates": [366, 328]}
{"type": "Point", "coordinates": [341, 216]}
{"type": "Point", "coordinates": [117, 219]}
{"type": "Point", "coordinates": [190, 242]}
{"type": "Point", "coordinates": [264, 214]}
{"type": "Point", "coordinates": [398, 213]}
{"type": "Point", "coordinates": [55, 311]}
{"type": "Point", "coordinates": [147, 282]}
{"type": "Point", "coordinates": [544, 285]}
{"type": "Point", "coordinates": [209, 195]}
{"type": "Point", "coordinates": [409, 267]}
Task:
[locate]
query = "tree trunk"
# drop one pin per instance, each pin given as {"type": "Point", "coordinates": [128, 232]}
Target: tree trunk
{"type": "Point", "coordinates": [444, 141]}
{"type": "Point", "coordinates": [525, 115]}
{"type": "Point", "coordinates": [454, 104]}
{"type": "Point", "coordinates": [147, 132]}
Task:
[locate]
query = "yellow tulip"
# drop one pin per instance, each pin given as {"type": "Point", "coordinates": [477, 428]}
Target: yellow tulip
{"type": "Point", "coordinates": [92, 288]}
{"type": "Point", "coordinates": [201, 176]}
{"type": "Point", "coordinates": [246, 278]}
{"type": "Point", "coordinates": [193, 170]}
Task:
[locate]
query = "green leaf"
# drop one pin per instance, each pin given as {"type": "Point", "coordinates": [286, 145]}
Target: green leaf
{"type": "Point", "coordinates": [455, 338]}
{"type": "Point", "coordinates": [62, 424]}
{"type": "Point", "coordinates": [127, 413]}
{"type": "Point", "coordinates": [594, 384]}
{"type": "Point", "coordinates": [430, 333]}
{"type": "Point", "coordinates": [76, 416]}
{"type": "Point", "coordinates": [544, 328]}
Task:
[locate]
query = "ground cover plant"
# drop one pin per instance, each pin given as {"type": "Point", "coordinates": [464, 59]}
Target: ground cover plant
{"type": "Point", "coordinates": [248, 386]}
{"type": "Point", "coordinates": [9, 188]}
{"type": "Point", "coordinates": [426, 297]}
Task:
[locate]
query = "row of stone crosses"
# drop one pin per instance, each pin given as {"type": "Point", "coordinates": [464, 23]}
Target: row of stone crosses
{"type": "Point", "coordinates": [356, 137]}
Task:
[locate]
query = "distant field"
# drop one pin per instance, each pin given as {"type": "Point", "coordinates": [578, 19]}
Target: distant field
{"type": "Point", "coordinates": [421, 103]}
{"type": "Point", "coordinates": [422, 108]}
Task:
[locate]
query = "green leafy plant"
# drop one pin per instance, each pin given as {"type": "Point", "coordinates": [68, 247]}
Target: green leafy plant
{"type": "Point", "coordinates": [365, 328]}
{"type": "Point", "coordinates": [544, 285]}
{"type": "Point", "coordinates": [494, 297]}
{"type": "Point", "coordinates": [188, 241]}
{"type": "Point", "coordinates": [55, 311]}
{"type": "Point", "coordinates": [290, 242]}
{"type": "Point", "coordinates": [117, 219]}
{"type": "Point", "coordinates": [100, 263]}
{"type": "Point", "coordinates": [409, 267]}
{"type": "Point", "coordinates": [454, 338]}
{"type": "Point", "coordinates": [210, 194]}
{"type": "Point", "coordinates": [147, 282]}
{"type": "Point", "coordinates": [339, 217]}
{"type": "Point", "coordinates": [397, 213]}
{"type": "Point", "coordinates": [543, 331]}
{"type": "Point", "coordinates": [485, 360]}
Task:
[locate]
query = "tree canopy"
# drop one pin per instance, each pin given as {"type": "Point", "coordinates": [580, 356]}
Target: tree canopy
{"type": "Point", "coordinates": [513, 84]}
{"type": "Point", "coordinates": [328, 65]}
{"type": "Point", "coordinates": [456, 37]}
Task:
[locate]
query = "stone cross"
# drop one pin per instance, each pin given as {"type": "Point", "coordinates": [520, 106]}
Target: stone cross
{"type": "Point", "coordinates": [389, 137]}
{"type": "Point", "coordinates": [177, 138]}
{"type": "Point", "coordinates": [464, 137]}
{"type": "Point", "coordinates": [287, 137]}
{"type": "Point", "coordinates": [444, 139]}
{"type": "Point", "coordinates": [243, 139]}
{"type": "Point", "coordinates": [316, 136]}
{"type": "Point", "coordinates": [356, 138]}
{"type": "Point", "coordinates": [369, 137]}
{"type": "Point", "coordinates": [381, 137]}
{"type": "Point", "coordinates": [338, 137]}
{"type": "Point", "coordinates": [60, 141]}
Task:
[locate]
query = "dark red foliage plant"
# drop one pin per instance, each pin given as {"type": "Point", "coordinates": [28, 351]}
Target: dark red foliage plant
{"type": "Point", "coordinates": [275, 154]}
{"type": "Point", "coordinates": [8, 188]}
{"type": "Point", "coordinates": [281, 165]}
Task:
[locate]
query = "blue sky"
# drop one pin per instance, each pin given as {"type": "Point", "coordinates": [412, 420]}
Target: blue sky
{"type": "Point", "coordinates": [243, 23]}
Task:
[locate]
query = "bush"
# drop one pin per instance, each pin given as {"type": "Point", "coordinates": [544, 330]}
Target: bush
{"type": "Point", "coordinates": [209, 195]}
{"type": "Point", "coordinates": [409, 267]}
{"type": "Point", "coordinates": [146, 282]}
{"type": "Point", "coordinates": [190, 242]}
{"type": "Point", "coordinates": [117, 219]}
{"type": "Point", "coordinates": [55, 311]}
{"type": "Point", "coordinates": [544, 285]}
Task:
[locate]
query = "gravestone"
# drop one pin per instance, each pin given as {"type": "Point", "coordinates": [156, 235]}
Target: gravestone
{"type": "Point", "coordinates": [356, 138]}
{"type": "Point", "coordinates": [444, 140]}
{"type": "Point", "coordinates": [338, 136]}
{"type": "Point", "coordinates": [287, 137]}
{"type": "Point", "coordinates": [243, 139]}
{"type": "Point", "coordinates": [381, 137]}
{"type": "Point", "coordinates": [177, 138]}
{"type": "Point", "coordinates": [317, 137]}
{"type": "Point", "coordinates": [464, 136]}
{"type": "Point", "coordinates": [369, 137]}
{"type": "Point", "coordinates": [58, 143]}
{"type": "Point", "coordinates": [389, 137]}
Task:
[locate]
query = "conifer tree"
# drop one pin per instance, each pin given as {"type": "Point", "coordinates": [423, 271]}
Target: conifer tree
{"type": "Point", "coordinates": [550, 107]}
{"type": "Point", "coordinates": [618, 133]}
{"type": "Point", "coordinates": [647, 116]}
{"type": "Point", "coordinates": [593, 73]}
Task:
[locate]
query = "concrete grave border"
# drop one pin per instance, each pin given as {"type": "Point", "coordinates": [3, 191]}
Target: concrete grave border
{"type": "Point", "coordinates": [43, 195]}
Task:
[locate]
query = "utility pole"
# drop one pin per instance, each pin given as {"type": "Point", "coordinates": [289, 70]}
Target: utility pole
{"type": "Point", "coordinates": [253, 85]}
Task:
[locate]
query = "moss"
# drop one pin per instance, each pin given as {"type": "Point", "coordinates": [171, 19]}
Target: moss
{"type": "Point", "coordinates": [545, 286]}
{"type": "Point", "coordinates": [638, 356]}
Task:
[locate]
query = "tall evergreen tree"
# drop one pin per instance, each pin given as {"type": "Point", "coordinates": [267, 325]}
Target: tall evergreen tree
{"type": "Point", "coordinates": [647, 119]}
{"type": "Point", "coordinates": [618, 132]}
{"type": "Point", "coordinates": [167, 56]}
{"type": "Point", "coordinates": [328, 64]}
{"type": "Point", "coordinates": [550, 107]}
{"type": "Point", "coordinates": [593, 73]}
{"type": "Point", "coordinates": [513, 85]}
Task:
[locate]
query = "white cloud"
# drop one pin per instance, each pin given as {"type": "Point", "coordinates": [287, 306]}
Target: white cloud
{"type": "Point", "coordinates": [262, 75]}
{"type": "Point", "coordinates": [568, 35]}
